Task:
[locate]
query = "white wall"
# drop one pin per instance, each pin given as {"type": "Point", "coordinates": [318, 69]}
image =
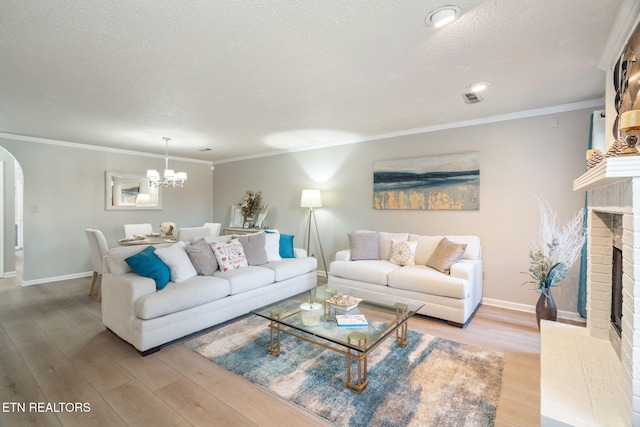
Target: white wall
{"type": "Point", "coordinates": [64, 193]}
{"type": "Point", "coordinates": [519, 159]}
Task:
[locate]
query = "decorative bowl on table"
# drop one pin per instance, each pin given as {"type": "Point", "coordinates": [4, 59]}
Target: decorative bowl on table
{"type": "Point", "coordinates": [343, 302]}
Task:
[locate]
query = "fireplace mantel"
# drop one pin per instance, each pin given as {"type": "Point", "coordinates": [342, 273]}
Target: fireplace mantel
{"type": "Point", "coordinates": [609, 171]}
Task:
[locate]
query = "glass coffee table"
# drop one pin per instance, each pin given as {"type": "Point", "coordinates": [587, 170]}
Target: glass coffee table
{"type": "Point", "coordinates": [308, 316]}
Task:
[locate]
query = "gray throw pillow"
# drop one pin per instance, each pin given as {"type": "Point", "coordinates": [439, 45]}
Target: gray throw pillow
{"type": "Point", "coordinates": [202, 257]}
{"type": "Point", "coordinates": [445, 255]}
{"type": "Point", "coordinates": [254, 246]}
{"type": "Point", "coordinates": [364, 245]}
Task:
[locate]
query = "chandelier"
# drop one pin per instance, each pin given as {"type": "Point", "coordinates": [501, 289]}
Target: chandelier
{"type": "Point", "coordinates": [171, 178]}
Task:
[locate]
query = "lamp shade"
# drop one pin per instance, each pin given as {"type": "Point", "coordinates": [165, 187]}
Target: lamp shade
{"type": "Point", "coordinates": [311, 199]}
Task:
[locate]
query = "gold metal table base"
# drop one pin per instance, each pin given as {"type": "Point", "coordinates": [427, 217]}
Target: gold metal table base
{"type": "Point", "coordinates": [357, 383]}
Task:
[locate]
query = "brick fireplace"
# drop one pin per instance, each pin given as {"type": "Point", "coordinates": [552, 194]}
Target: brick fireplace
{"type": "Point", "coordinates": [613, 189]}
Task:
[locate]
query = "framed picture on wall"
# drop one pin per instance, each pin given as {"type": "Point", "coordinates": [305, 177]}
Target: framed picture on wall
{"type": "Point", "coordinates": [235, 218]}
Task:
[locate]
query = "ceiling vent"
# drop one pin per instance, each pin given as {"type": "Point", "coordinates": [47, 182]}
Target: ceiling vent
{"type": "Point", "coordinates": [471, 98]}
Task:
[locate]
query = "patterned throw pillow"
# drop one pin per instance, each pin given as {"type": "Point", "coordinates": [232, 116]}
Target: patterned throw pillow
{"type": "Point", "coordinates": [403, 252]}
{"type": "Point", "coordinates": [230, 255]}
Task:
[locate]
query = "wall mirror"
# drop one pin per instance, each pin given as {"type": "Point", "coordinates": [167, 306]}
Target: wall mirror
{"type": "Point", "coordinates": [131, 191]}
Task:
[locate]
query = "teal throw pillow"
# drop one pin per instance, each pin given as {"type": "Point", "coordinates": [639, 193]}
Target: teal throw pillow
{"type": "Point", "coordinates": [286, 246]}
{"type": "Point", "coordinates": [146, 263]}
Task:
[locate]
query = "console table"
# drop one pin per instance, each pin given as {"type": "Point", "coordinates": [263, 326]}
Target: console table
{"type": "Point", "coordinates": [238, 230]}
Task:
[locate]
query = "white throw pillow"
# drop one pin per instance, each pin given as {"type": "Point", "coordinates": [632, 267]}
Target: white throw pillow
{"type": "Point", "coordinates": [230, 255]}
{"type": "Point", "coordinates": [386, 242]}
{"type": "Point", "coordinates": [272, 245]}
{"type": "Point", "coordinates": [176, 258]}
{"type": "Point", "coordinates": [403, 252]}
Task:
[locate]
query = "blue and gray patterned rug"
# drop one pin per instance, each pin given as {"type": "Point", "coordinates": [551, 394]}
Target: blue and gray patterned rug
{"type": "Point", "coordinates": [432, 382]}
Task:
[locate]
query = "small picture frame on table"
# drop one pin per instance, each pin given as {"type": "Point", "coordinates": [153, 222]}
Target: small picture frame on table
{"type": "Point", "coordinates": [236, 216]}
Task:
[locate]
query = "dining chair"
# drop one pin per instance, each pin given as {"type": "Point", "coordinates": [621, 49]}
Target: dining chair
{"type": "Point", "coordinates": [99, 248]}
{"type": "Point", "coordinates": [214, 227]}
{"type": "Point", "coordinates": [137, 230]}
{"type": "Point", "coordinates": [186, 234]}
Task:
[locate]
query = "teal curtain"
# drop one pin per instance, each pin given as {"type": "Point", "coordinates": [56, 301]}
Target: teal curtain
{"type": "Point", "coordinates": [582, 284]}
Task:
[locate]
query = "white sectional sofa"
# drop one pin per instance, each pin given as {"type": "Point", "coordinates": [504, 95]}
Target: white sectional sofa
{"type": "Point", "coordinates": [451, 291]}
{"type": "Point", "coordinates": [147, 315]}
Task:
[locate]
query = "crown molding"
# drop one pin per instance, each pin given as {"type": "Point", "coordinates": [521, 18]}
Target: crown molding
{"type": "Point", "coordinates": [96, 148]}
{"type": "Point", "coordinates": [594, 103]}
{"type": "Point", "coordinates": [626, 21]}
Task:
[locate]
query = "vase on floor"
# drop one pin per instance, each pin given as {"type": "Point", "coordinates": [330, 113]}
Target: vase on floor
{"type": "Point", "coordinates": [546, 308]}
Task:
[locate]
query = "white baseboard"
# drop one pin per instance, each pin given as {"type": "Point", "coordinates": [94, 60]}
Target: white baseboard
{"type": "Point", "coordinates": [562, 314]}
{"type": "Point", "coordinates": [9, 274]}
{"type": "Point", "coordinates": [56, 278]}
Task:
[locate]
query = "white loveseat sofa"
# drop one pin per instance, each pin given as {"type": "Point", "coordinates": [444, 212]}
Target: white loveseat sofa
{"type": "Point", "coordinates": [138, 312]}
{"type": "Point", "coordinates": [452, 291]}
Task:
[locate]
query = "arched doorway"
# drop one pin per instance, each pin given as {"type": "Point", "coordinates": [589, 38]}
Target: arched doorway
{"type": "Point", "coordinates": [11, 202]}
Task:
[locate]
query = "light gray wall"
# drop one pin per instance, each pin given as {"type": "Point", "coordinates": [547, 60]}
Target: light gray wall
{"type": "Point", "coordinates": [519, 159]}
{"type": "Point", "coordinates": [66, 185]}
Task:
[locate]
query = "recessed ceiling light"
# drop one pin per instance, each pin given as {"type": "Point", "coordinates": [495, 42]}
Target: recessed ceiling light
{"type": "Point", "coordinates": [442, 16]}
{"type": "Point", "coordinates": [478, 87]}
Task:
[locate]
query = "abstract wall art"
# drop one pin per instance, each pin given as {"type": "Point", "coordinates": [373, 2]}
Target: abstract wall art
{"type": "Point", "coordinates": [449, 181]}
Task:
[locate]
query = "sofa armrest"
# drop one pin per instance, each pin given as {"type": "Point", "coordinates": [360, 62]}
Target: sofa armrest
{"type": "Point", "coordinates": [119, 294]}
{"type": "Point", "coordinates": [467, 269]}
{"type": "Point", "coordinates": [299, 253]}
{"type": "Point", "coordinates": [343, 255]}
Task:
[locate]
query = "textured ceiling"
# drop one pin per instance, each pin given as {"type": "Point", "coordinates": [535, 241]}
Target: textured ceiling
{"type": "Point", "coordinates": [248, 77]}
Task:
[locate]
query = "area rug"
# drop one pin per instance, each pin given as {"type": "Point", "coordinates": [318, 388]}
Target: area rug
{"type": "Point", "coordinates": [431, 382]}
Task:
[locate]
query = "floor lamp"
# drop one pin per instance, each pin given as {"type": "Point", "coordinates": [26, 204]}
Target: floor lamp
{"type": "Point", "coordinates": [312, 199]}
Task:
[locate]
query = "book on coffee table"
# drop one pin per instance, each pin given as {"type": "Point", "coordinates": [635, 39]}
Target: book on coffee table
{"type": "Point", "coordinates": [351, 320]}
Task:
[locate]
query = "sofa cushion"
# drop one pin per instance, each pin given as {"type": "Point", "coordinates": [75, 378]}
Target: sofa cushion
{"type": "Point", "coordinates": [364, 245]}
{"type": "Point", "coordinates": [288, 268]}
{"type": "Point", "coordinates": [176, 258]}
{"type": "Point", "coordinates": [371, 271]}
{"type": "Point", "coordinates": [254, 248]}
{"type": "Point", "coordinates": [386, 241]}
{"type": "Point", "coordinates": [230, 255]}
{"type": "Point", "coordinates": [424, 279]}
{"type": "Point", "coordinates": [181, 296]}
{"type": "Point", "coordinates": [446, 254]}
{"type": "Point", "coordinates": [403, 252]}
{"type": "Point", "coordinates": [248, 278]}
{"type": "Point", "coordinates": [202, 257]}
{"type": "Point", "coordinates": [146, 263]}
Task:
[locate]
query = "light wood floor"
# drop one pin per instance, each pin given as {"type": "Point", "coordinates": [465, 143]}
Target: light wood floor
{"type": "Point", "coordinates": [54, 348]}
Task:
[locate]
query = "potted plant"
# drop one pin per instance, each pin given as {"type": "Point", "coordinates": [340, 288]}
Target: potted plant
{"type": "Point", "coordinates": [553, 253]}
{"type": "Point", "coordinates": [250, 205]}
